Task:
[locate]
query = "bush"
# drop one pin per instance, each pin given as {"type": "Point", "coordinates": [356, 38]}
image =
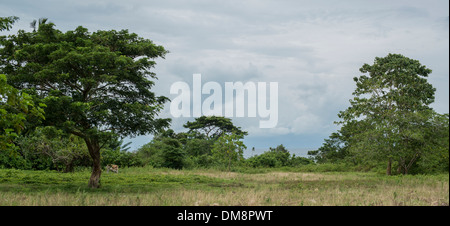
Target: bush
{"type": "Point", "coordinates": [228, 150]}
{"type": "Point", "coordinates": [327, 167]}
{"type": "Point", "coordinates": [267, 159]}
{"type": "Point", "coordinates": [163, 152]}
{"type": "Point", "coordinates": [173, 157]}
{"type": "Point", "coordinates": [198, 147]}
{"type": "Point", "coordinates": [296, 161]}
{"type": "Point", "coordinates": [200, 161]}
{"type": "Point", "coordinates": [150, 154]}
{"type": "Point", "coordinates": [277, 157]}
{"type": "Point", "coordinates": [120, 157]}
{"type": "Point", "coordinates": [47, 148]}
{"type": "Point", "coordinates": [13, 160]}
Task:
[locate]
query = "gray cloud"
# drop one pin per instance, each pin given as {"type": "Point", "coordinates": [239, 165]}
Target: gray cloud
{"type": "Point", "coordinates": [313, 49]}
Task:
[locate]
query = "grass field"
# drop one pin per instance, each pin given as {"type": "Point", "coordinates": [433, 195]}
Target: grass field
{"type": "Point", "coordinates": [165, 187]}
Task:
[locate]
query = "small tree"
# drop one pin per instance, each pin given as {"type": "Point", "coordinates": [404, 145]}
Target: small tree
{"type": "Point", "coordinates": [173, 155]}
{"type": "Point", "coordinates": [229, 149]}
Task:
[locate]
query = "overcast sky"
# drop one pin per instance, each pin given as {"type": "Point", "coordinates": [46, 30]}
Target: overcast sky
{"type": "Point", "coordinates": [312, 49]}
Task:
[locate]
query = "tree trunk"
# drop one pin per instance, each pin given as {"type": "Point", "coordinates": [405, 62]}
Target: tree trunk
{"type": "Point", "coordinates": [407, 167]}
{"type": "Point", "coordinates": [229, 163]}
{"type": "Point", "coordinates": [69, 167]}
{"type": "Point", "coordinates": [389, 167]}
{"type": "Point", "coordinates": [94, 151]}
{"type": "Point", "coordinates": [404, 168]}
{"type": "Point", "coordinates": [399, 169]}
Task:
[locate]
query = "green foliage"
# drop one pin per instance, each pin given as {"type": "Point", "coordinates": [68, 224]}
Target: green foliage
{"type": "Point", "coordinates": [173, 157]}
{"type": "Point", "coordinates": [277, 157]}
{"type": "Point", "coordinates": [198, 147]}
{"type": "Point", "coordinates": [296, 161]}
{"type": "Point", "coordinates": [198, 152]}
{"type": "Point", "coordinates": [163, 152]}
{"type": "Point", "coordinates": [334, 149]}
{"type": "Point", "coordinates": [151, 154]}
{"type": "Point", "coordinates": [228, 149]}
{"type": "Point", "coordinates": [195, 148]}
{"type": "Point", "coordinates": [120, 157]}
{"type": "Point", "coordinates": [389, 114]}
{"type": "Point", "coordinates": [213, 126]}
{"type": "Point", "coordinates": [38, 23]}
{"type": "Point", "coordinates": [434, 141]}
{"type": "Point", "coordinates": [51, 149]}
{"type": "Point", "coordinates": [17, 112]}
{"type": "Point", "coordinates": [7, 22]}
{"type": "Point", "coordinates": [267, 159]}
{"type": "Point", "coordinates": [117, 153]}
{"type": "Point", "coordinates": [13, 160]}
{"type": "Point", "coordinates": [95, 85]}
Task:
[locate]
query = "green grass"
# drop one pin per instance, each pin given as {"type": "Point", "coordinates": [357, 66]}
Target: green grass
{"type": "Point", "coordinates": [128, 180]}
{"type": "Point", "coordinates": [166, 187]}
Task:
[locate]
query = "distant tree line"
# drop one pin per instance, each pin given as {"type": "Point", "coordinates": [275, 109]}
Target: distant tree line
{"type": "Point", "coordinates": [47, 148]}
{"type": "Point", "coordinates": [210, 142]}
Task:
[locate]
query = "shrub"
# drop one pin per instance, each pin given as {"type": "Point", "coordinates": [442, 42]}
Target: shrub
{"type": "Point", "coordinates": [120, 157]}
{"type": "Point", "coordinates": [299, 161]}
{"type": "Point", "coordinates": [13, 160]}
{"type": "Point", "coordinates": [228, 150]}
{"type": "Point", "coordinates": [47, 148]}
{"type": "Point", "coordinates": [277, 157]}
{"type": "Point", "coordinates": [198, 147]}
{"type": "Point", "coordinates": [163, 152]}
{"type": "Point", "coordinates": [173, 157]}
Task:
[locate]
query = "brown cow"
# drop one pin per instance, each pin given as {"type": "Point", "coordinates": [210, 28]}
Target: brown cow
{"type": "Point", "coordinates": [112, 167]}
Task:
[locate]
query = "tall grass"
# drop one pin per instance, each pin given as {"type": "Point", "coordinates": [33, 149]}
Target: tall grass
{"type": "Point", "coordinates": [254, 187]}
